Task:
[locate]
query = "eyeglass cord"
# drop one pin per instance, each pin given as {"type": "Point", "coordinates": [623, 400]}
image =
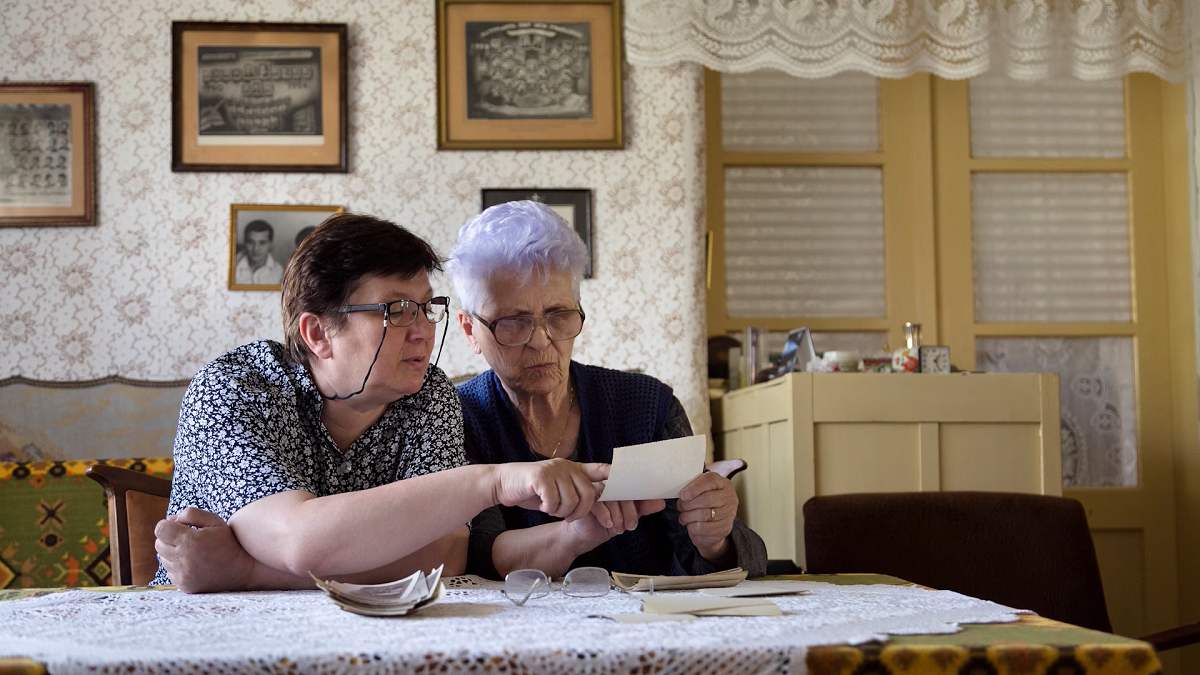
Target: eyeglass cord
{"type": "Point", "coordinates": [338, 397]}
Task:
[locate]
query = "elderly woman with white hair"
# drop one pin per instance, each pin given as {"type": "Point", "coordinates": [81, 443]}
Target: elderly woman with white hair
{"type": "Point", "coordinates": [517, 269]}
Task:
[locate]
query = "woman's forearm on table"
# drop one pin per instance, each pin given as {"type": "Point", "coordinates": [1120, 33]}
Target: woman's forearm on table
{"type": "Point", "coordinates": [356, 532]}
{"type": "Point", "coordinates": [449, 551]}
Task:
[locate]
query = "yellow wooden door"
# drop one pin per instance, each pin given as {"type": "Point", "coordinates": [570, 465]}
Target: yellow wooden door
{"type": "Point", "coordinates": [1135, 314]}
{"type": "Point", "coordinates": [1116, 286]}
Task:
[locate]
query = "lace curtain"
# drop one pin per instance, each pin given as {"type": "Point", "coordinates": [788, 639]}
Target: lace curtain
{"type": "Point", "coordinates": [956, 39]}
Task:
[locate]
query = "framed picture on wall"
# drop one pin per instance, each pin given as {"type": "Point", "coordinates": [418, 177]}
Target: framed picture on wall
{"type": "Point", "coordinates": [529, 75]}
{"type": "Point", "coordinates": [258, 96]}
{"type": "Point", "coordinates": [47, 153]}
{"type": "Point", "coordinates": [262, 238]}
{"type": "Point", "coordinates": [574, 205]}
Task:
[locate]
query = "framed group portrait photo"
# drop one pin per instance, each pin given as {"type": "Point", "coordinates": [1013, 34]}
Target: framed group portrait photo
{"type": "Point", "coordinates": [258, 97]}
{"type": "Point", "coordinates": [47, 153]}
{"type": "Point", "coordinates": [526, 75]}
{"type": "Point", "coordinates": [573, 205]}
{"type": "Point", "coordinates": [262, 238]}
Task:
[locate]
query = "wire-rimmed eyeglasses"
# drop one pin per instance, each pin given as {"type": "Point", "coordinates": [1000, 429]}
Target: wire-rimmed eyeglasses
{"type": "Point", "coordinates": [403, 312]}
{"type": "Point", "coordinates": [581, 582]}
{"type": "Point", "coordinates": [514, 331]}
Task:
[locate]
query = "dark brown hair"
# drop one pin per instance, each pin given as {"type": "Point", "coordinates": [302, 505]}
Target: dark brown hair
{"type": "Point", "coordinates": [327, 266]}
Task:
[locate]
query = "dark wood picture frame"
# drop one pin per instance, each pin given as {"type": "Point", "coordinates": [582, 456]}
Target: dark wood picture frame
{"type": "Point", "coordinates": [294, 120]}
{"type": "Point", "coordinates": [573, 204]}
{"type": "Point", "coordinates": [493, 95]}
{"type": "Point", "coordinates": [47, 154]}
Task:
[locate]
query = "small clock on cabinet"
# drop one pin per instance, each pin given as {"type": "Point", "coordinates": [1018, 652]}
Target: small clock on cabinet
{"type": "Point", "coordinates": [935, 359]}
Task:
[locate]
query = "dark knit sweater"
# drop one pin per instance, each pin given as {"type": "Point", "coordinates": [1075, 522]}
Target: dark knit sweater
{"type": "Point", "coordinates": [616, 409]}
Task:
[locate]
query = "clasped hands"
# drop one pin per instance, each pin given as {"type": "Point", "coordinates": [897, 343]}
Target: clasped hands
{"type": "Point", "coordinates": [569, 490]}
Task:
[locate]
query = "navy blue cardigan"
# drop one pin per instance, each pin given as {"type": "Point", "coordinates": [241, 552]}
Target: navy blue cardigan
{"type": "Point", "coordinates": [616, 409]}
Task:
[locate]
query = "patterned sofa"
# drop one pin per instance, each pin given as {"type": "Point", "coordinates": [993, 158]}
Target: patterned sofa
{"type": "Point", "coordinates": [53, 519]}
{"type": "Point", "coordinates": [54, 522]}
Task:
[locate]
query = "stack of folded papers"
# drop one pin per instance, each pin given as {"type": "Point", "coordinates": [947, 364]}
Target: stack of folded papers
{"type": "Point", "coordinates": [642, 582]}
{"type": "Point", "coordinates": [394, 598]}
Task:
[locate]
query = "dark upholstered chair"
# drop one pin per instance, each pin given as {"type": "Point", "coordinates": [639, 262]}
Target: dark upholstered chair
{"type": "Point", "coordinates": [136, 502]}
{"type": "Point", "coordinates": [1025, 551]}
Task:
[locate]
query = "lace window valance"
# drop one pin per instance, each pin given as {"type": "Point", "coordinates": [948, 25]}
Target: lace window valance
{"type": "Point", "coordinates": [956, 39]}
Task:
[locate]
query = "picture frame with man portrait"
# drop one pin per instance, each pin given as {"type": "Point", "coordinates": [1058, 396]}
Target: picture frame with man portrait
{"type": "Point", "coordinates": [262, 238]}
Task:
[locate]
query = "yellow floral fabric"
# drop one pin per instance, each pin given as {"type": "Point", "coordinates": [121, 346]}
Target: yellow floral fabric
{"type": "Point", "coordinates": [1033, 646]}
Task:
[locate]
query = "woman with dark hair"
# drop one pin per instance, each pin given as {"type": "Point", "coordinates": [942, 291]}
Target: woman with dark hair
{"type": "Point", "coordinates": [326, 452]}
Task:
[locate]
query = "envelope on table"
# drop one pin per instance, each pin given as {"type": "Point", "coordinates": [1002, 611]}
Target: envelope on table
{"type": "Point", "coordinates": [700, 605]}
{"type": "Point", "coordinates": [758, 589]}
{"type": "Point", "coordinates": [643, 582]}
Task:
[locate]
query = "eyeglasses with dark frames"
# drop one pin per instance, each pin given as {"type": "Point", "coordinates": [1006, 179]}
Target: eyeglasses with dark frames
{"type": "Point", "coordinates": [403, 312]}
{"type": "Point", "coordinates": [515, 331]}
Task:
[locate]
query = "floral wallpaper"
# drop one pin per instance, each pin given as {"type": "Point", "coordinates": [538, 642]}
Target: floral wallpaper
{"type": "Point", "coordinates": [143, 294]}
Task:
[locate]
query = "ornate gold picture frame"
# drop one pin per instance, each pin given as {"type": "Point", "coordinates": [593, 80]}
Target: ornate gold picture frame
{"type": "Point", "coordinates": [47, 153]}
{"type": "Point", "coordinates": [529, 75]}
{"type": "Point", "coordinates": [258, 97]}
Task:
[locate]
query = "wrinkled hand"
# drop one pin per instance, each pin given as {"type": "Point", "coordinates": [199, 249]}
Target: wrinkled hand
{"type": "Point", "coordinates": [608, 519]}
{"type": "Point", "coordinates": [201, 553]}
{"type": "Point", "coordinates": [558, 487]}
{"type": "Point", "coordinates": [707, 507]}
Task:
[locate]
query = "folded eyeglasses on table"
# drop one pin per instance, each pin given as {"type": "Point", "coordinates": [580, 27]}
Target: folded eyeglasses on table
{"type": "Point", "coordinates": [592, 582]}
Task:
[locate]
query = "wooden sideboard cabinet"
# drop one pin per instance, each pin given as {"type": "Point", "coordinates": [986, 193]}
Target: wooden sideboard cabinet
{"type": "Point", "coordinates": [809, 434]}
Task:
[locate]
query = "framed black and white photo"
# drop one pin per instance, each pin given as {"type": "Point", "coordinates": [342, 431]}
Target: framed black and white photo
{"type": "Point", "coordinates": [47, 153]}
{"type": "Point", "coordinates": [525, 75]}
{"type": "Point", "coordinates": [262, 238]}
{"type": "Point", "coordinates": [258, 97]}
{"type": "Point", "coordinates": [573, 205]}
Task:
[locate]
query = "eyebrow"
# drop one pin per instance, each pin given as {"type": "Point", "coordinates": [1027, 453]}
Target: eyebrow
{"type": "Point", "coordinates": [400, 296]}
{"type": "Point", "coordinates": [427, 295]}
{"type": "Point", "coordinates": [551, 308]}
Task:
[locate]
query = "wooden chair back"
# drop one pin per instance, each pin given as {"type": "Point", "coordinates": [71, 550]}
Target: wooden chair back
{"type": "Point", "coordinates": [136, 502]}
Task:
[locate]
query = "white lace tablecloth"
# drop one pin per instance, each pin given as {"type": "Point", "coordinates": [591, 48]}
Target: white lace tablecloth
{"type": "Point", "coordinates": [472, 627]}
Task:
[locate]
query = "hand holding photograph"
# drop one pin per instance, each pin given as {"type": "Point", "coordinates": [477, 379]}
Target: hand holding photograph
{"type": "Point", "coordinates": [47, 153]}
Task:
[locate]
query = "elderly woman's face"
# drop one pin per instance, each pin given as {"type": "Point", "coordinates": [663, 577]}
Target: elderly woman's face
{"type": "Point", "coordinates": [541, 365]}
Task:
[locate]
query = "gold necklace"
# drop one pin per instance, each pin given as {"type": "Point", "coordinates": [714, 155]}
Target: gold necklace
{"type": "Point", "coordinates": [566, 423]}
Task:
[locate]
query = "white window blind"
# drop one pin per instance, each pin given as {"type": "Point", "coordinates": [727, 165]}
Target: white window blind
{"type": "Point", "coordinates": [804, 242]}
{"type": "Point", "coordinates": [1050, 118]}
{"type": "Point", "coordinates": [772, 111]}
{"type": "Point", "coordinates": [1051, 247]}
